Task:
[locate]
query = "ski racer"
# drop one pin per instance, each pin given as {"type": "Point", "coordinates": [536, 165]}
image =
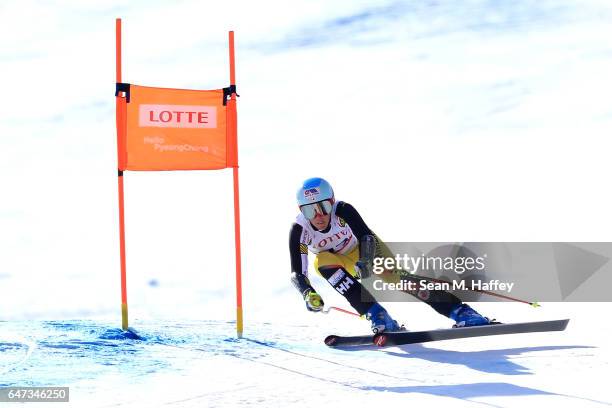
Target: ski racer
{"type": "Point", "coordinates": [344, 247]}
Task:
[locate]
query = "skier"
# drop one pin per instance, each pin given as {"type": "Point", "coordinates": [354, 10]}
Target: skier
{"type": "Point", "coordinates": [334, 231]}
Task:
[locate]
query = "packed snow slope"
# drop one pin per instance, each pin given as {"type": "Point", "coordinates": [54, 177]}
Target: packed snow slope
{"type": "Point", "coordinates": [201, 363]}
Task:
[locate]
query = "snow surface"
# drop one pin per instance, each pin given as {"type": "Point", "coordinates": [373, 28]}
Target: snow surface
{"type": "Point", "coordinates": [440, 121]}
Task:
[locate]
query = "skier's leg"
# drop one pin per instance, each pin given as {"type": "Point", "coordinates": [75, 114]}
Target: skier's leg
{"type": "Point", "coordinates": [450, 306]}
{"type": "Point", "coordinates": [335, 269]}
{"type": "Point", "coordinates": [441, 301]}
{"type": "Point", "coordinates": [445, 303]}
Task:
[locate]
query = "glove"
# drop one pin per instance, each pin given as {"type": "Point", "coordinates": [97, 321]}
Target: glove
{"type": "Point", "coordinates": [363, 269]}
{"type": "Point", "coordinates": [314, 303]}
{"type": "Point", "coordinates": [367, 252]}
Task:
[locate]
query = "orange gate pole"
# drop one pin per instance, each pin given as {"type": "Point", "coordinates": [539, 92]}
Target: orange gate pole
{"type": "Point", "coordinates": [234, 127]}
{"type": "Point", "coordinates": [120, 122]}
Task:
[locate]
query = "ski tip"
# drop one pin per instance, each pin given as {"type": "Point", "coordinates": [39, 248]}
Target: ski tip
{"type": "Point", "coordinates": [331, 340]}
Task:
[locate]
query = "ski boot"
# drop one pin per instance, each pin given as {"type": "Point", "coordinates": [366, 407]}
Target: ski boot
{"type": "Point", "coordinates": [465, 316]}
{"type": "Point", "coordinates": [381, 321]}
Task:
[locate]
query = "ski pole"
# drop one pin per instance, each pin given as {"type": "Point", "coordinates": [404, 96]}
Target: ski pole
{"type": "Point", "coordinates": [339, 309]}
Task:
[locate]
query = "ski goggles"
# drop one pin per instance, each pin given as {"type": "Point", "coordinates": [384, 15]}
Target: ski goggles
{"type": "Point", "coordinates": [310, 211]}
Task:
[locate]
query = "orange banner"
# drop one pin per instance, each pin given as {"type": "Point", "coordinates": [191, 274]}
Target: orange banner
{"type": "Point", "coordinates": [176, 129]}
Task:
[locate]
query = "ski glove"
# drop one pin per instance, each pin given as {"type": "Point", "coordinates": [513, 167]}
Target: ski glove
{"type": "Point", "coordinates": [314, 303]}
{"type": "Point", "coordinates": [363, 270]}
{"type": "Point", "coordinates": [367, 252]}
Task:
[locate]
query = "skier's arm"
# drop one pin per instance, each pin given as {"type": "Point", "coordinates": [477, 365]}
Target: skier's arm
{"type": "Point", "coordinates": [299, 260]}
{"type": "Point", "coordinates": [365, 236]}
{"type": "Point", "coordinates": [299, 268]}
{"type": "Point", "coordinates": [349, 214]}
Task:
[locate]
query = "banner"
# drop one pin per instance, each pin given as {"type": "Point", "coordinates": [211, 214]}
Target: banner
{"type": "Point", "coordinates": [176, 129]}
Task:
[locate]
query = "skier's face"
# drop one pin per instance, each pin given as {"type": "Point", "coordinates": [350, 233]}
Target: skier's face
{"type": "Point", "coordinates": [321, 221]}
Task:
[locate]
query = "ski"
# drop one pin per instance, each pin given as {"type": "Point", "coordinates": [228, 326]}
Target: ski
{"type": "Point", "coordinates": [407, 337]}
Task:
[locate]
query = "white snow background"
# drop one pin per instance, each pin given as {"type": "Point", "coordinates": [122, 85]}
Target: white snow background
{"type": "Point", "coordinates": [439, 121]}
